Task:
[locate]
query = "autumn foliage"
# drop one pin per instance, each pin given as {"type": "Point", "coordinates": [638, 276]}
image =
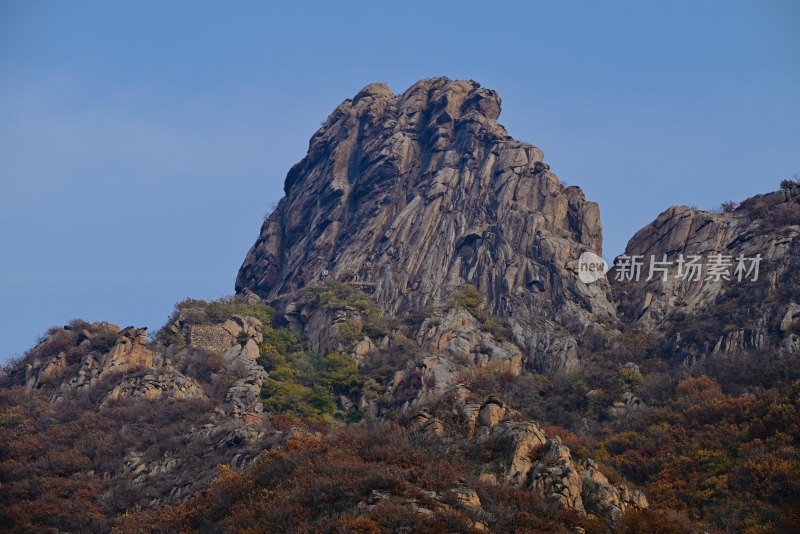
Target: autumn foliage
{"type": "Point", "coordinates": [727, 461]}
{"type": "Point", "coordinates": [327, 485]}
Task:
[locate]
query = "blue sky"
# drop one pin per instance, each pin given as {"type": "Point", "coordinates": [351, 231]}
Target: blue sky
{"type": "Point", "coordinates": [141, 143]}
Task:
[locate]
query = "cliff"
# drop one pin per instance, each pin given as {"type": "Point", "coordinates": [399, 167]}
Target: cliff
{"type": "Point", "coordinates": [750, 305]}
{"type": "Point", "coordinates": [411, 349]}
{"type": "Point", "coordinates": [413, 196]}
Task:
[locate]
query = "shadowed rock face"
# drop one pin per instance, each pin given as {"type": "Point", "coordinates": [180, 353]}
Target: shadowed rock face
{"type": "Point", "coordinates": [412, 196]}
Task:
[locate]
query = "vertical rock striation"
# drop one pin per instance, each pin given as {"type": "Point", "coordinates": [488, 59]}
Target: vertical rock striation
{"type": "Point", "coordinates": [708, 314]}
{"type": "Point", "coordinates": [412, 196]}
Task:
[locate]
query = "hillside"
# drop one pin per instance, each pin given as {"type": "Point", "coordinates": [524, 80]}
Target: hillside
{"type": "Point", "coordinates": [410, 349]}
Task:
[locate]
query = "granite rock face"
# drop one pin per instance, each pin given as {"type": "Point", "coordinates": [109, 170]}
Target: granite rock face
{"type": "Point", "coordinates": [741, 311]}
{"type": "Point", "coordinates": [453, 342]}
{"type": "Point", "coordinates": [109, 367]}
{"type": "Point", "coordinates": [129, 350]}
{"type": "Point", "coordinates": [519, 452]}
{"type": "Point", "coordinates": [156, 385]}
{"type": "Point", "coordinates": [415, 195]}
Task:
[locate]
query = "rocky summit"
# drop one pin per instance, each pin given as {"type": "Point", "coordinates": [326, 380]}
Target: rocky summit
{"type": "Point", "coordinates": [705, 316]}
{"type": "Point", "coordinates": [414, 196]}
{"type": "Point", "coordinates": [410, 349]}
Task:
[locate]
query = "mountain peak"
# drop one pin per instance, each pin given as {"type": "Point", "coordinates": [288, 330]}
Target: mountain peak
{"type": "Point", "coordinates": [416, 195]}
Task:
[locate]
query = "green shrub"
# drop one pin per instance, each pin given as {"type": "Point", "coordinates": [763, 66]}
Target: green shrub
{"type": "Point", "coordinates": [337, 296]}
{"type": "Point", "coordinates": [195, 311]}
{"type": "Point", "coordinates": [301, 382]}
{"type": "Point", "coordinates": [279, 341]}
{"type": "Point", "coordinates": [169, 338]}
{"type": "Point", "coordinates": [308, 388]}
{"type": "Point", "coordinates": [339, 372]}
{"type": "Point", "coordinates": [468, 298]}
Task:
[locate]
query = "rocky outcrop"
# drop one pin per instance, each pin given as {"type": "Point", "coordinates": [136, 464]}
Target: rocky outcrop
{"type": "Point", "coordinates": [426, 423]}
{"type": "Point", "coordinates": [743, 310]}
{"type": "Point", "coordinates": [429, 379]}
{"type": "Point", "coordinates": [124, 358]}
{"type": "Point", "coordinates": [579, 485]}
{"type": "Point", "coordinates": [177, 474]}
{"type": "Point", "coordinates": [791, 318]}
{"type": "Point", "coordinates": [430, 501]}
{"type": "Point", "coordinates": [324, 328]}
{"type": "Point", "coordinates": [456, 334]}
{"type": "Point", "coordinates": [548, 468]}
{"type": "Point", "coordinates": [454, 342]}
{"type": "Point", "coordinates": [520, 453]}
{"type": "Point", "coordinates": [220, 337]}
{"type": "Point", "coordinates": [244, 396]}
{"type": "Point", "coordinates": [113, 367]}
{"type": "Point", "coordinates": [134, 370]}
{"type": "Point", "coordinates": [153, 386]}
{"type": "Point", "coordinates": [236, 341]}
{"type": "Point", "coordinates": [413, 196]}
{"type": "Point", "coordinates": [246, 332]}
{"type": "Point", "coordinates": [129, 350]}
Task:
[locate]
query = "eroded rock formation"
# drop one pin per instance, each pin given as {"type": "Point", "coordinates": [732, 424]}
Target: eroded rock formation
{"type": "Point", "coordinates": [415, 195]}
{"type": "Point", "coordinates": [520, 453]}
{"type": "Point", "coordinates": [110, 366]}
{"type": "Point", "coordinates": [751, 310]}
